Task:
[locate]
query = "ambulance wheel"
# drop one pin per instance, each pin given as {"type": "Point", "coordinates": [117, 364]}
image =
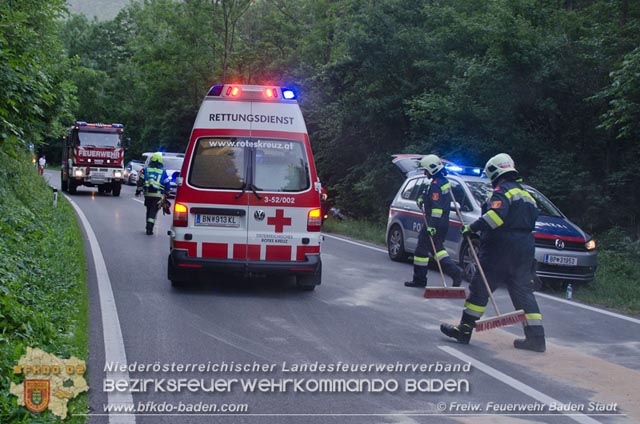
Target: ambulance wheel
{"type": "Point", "coordinates": [308, 282]}
{"type": "Point", "coordinates": [305, 284]}
{"type": "Point", "coordinates": [171, 274]}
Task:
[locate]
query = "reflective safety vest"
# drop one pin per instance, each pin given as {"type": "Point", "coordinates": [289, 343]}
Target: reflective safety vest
{"type": "Point", "coordinates": [156, 182]}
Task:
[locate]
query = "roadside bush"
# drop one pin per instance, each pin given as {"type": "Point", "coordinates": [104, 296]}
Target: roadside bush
{"type": "Point", "coordinates": [43, 299]}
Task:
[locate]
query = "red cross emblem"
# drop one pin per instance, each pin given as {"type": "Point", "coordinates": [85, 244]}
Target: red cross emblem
{"type": "Point", "coordinates": [279, 220]}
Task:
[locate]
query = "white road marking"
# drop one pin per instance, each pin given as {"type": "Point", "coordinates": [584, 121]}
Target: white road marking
{"type": "Point", "coordinates": [377, 249]}
{"type": "Point", "coordinates": [521, 387]}
{"type": "Point", "coordinates": [589, 308]}
{"type": "Point", "coordinates": [546, 296]}
{"type": "Point", "coordinates": [113, 343]}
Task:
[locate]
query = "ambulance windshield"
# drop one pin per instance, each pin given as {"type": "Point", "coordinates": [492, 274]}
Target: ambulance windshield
{"type": "Point", "coordinates": [276, 165]}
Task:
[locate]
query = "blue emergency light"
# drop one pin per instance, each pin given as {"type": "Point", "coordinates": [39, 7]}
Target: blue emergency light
{"type": "Point", "coordinates": [288, 94]}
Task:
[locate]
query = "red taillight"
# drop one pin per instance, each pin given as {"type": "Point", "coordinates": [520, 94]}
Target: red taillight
{"type": "Point", "coordinates": [271, 93]}
{"type": "Point", "coordinates": [180, 215]}
{"type": "Point", "coordinates": [314, 220]}
{"type": "Point", "coordinates": [233, 91]}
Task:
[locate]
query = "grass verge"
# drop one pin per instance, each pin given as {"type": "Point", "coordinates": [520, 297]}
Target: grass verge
{"type": "Point", "coordinates": [615, 286]}
{"type": "Point", "coordinates": [43, 295]}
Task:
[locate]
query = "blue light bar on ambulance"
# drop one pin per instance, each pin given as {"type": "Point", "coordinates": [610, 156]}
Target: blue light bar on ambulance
{"type": "Point", "coordinates": [81, 123]}
{"type": "Point", "coordinates": [252, 92]}
{"type": "Point", "coordinates": [288, 94]}
{"type": "Point", "coordinates": [117, 126]}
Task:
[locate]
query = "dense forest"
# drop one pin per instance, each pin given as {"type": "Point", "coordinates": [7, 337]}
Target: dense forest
{"type": "Point", "coordinates": [555, 83]}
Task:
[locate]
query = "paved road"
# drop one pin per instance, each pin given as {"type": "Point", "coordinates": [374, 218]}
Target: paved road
{"type": "Point", "coordinates": [361, 316]}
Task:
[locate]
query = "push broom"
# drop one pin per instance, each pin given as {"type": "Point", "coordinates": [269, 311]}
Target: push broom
{"type": "Point", "coordinates": [500, 320]}
{"type": "Point", "coordinates": [441, 292]}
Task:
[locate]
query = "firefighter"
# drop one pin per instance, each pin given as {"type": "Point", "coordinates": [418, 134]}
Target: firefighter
{"type": "Point", "coordinates": [506, 254]}
{"type": "Point", "coordinates": [154, 182]}
{"type": "Point", "coordinates": [435, 201]}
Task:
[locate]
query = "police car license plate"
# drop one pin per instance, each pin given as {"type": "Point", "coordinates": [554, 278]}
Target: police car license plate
{"type": "Point", "coordinates": [560, 260]}
{"type": "Point", "coordinates": [217, 220]}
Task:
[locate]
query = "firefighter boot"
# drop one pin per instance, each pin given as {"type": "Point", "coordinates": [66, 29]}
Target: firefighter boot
{"type": "Point", "coordinates": [461, 332]}
{"type": "Point", "coordinates": [149, 229]}
{"type": "Point", "coordinates": [534, 339]}
{"type": "Point", "coordinates": [419, 277]}
{"type": "Point", "coordinates": [415, 284]}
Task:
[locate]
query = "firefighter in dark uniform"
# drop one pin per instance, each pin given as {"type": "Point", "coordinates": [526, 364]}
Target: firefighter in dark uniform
{"type": "Point", "coordinates": [435, 200]}
{"type": "Point", "coordinates": [154, 182]}
{"type": "Point", "coordinates": [506, 255]}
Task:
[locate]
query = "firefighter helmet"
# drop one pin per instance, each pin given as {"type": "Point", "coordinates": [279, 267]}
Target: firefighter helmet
{"type": "Point", "coordinates": [157, 157]}
{"type": "Point", "coordinates": [499, 165]}
{"type": "Point", "coordinates": [431, 163]}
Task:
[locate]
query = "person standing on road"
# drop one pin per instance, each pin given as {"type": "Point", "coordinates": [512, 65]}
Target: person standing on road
{"type": "Point", "coordinates": [435, 201]}
{"type": "Point", "coordinates": [506, 254]}
{"type": "Point", "coordinates": [42, 163]}
{"type": "Point", "coordinates": [153, 181]}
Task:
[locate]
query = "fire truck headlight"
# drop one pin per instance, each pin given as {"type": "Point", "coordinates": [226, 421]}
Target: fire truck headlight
{"type": "Point", "coordinates": [117, 174]}
{"type": "Point", "coordinates": [78, 173]}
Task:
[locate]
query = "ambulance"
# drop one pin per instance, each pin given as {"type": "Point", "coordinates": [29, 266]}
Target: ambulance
{"type": "Point", "coordinates": [248, 196]}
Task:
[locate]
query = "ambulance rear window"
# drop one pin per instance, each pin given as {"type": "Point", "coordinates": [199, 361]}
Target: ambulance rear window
{"type": "Point", "coordinates": [218, 163]}
{"type": "Point", "coordinates": [280, 166]}
{"type": "Point", "coordinates": [276, 165]}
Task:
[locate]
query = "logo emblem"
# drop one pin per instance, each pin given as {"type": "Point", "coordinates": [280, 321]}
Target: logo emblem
{"type": "Point", "coordinates": [279, 221]}
{"type": "Point", "coordinates": [559, 244]}
{"type": "Point", "coordinates": [36, 395]}
{"type": "Point", "coordinates": [259, 215]}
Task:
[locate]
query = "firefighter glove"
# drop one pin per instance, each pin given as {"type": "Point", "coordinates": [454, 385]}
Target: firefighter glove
{"type": "Point", "coordinates": [431, 231]}
{"type": "Point", "coordinates": [420, 202]}
{"type": "Point", "coordinates": [466, 230]}
{"type": "Point", "coordinates": [138, 192]}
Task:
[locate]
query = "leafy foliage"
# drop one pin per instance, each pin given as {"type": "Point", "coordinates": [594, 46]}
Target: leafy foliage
{"type": "Point", "coordinates": [552, 83]}
{"type": "Point", "coordinates": [43, 301]}
{"type": "Point", "coordinates": [36, 94]}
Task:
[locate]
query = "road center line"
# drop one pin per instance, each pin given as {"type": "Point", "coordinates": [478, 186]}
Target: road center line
{"type": "Point", "coordinates": [113, 343]}
{"type": "Point", "coordinates": [546, 296]}
{"type": "Point", "coordinates": [521, 387]}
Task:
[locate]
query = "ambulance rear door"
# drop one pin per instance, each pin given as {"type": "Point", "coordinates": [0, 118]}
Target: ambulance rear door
{"type": "Point", "coordinates": [284, 189]}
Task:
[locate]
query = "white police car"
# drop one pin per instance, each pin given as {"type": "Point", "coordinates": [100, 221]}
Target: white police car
{"type": "Point", "coordinates": [563, 251]}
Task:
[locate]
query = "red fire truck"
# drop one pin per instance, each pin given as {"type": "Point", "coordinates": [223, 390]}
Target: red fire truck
{"type": "Point", "coordinates": [93, 156]}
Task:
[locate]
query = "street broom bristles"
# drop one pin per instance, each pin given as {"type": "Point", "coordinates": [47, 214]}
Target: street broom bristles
{"type": "Point", "coordinates": [445, 293]}
{"type": "Point", "coordinates": [500, 320]}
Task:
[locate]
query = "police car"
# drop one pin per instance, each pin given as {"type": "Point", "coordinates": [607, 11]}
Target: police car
{"type": "Point", "coordinates": [563, 251]}
{"type": "Point", "coordinates": [248, 197]}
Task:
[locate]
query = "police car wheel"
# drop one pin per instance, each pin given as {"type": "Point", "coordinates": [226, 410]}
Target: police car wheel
{"type": "Point", "coordinates": [395, 245]}
{"type": "Point", "coordinates": [466, 259]}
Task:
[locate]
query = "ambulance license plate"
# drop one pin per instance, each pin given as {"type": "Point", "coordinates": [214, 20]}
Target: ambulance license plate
{"type": "Point", "coordinates": [560, 260]}
{"type": "Point", "coordinates": [217, 220]}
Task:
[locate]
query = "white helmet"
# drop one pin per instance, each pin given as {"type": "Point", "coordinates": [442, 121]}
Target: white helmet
{"type": "Point", "coordinates": [431, 163]}
{"type": "Point", "coordinates": [498, 165]}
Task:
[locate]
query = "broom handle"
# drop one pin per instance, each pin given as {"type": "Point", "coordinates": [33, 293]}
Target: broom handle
{"type": "Point", "coordinates": [475, 255]}
{"type": "Point", "coordinates": [433, 246]}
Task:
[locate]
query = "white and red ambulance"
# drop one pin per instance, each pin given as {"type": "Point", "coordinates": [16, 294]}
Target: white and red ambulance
{"type": "Point", "coordinates": [248, 198]}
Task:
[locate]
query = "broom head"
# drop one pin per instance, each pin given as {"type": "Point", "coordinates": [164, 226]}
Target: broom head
{"type": "Point", "coordinates": [445, 293]}
{"type": "Point", "coordinates": [500, 320]}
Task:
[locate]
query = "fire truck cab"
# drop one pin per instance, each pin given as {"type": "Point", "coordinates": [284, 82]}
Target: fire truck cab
{"type": "Point", "coordinates": [93, 156]}
{"type": "Point", "coordinates": [248, 196]}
